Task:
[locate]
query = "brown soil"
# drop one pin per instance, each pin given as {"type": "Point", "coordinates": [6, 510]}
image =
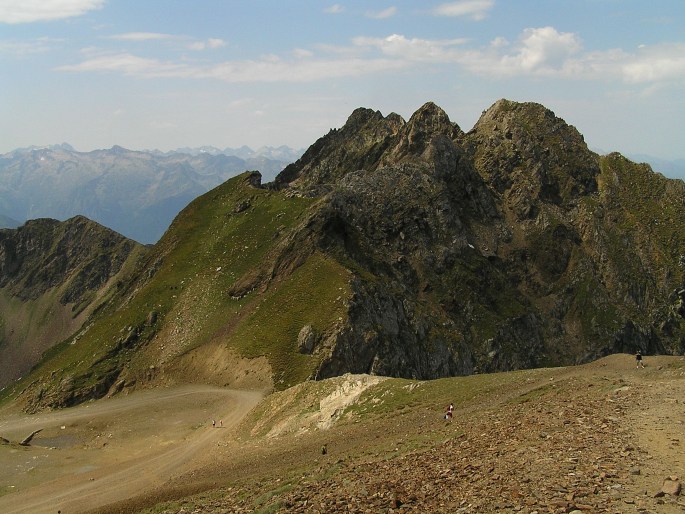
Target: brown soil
{"type": "Point", "coordinates": [105, 451]}
{"type": "Point", "coordinates": [595, 438]}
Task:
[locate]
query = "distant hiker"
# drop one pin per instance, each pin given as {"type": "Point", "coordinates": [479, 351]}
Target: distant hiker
{"type": "Point", "coordinates": [450, 409]}
{"type": "Point", "coordinates": [221, 422]}
{"type": "Point", "coordinates": [638, 360]}
{"type": "Point", "coordinates": [213, 423]}
{"type": "Point", "coordinates": [448, 414]}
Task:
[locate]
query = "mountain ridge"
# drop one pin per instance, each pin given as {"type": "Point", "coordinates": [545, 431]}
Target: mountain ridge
{"type": "Point", "coordinates": [398, 248]}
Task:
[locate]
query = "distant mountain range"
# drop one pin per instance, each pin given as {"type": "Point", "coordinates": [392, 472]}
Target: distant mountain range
{"type": "Point", "coordinates": [136, 193]}
{"type": "Point", "coordinates": [7, 222]}
{"type": "Point", "coordinates": [280, 153]}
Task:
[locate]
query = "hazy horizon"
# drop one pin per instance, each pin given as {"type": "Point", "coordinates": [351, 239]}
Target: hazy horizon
{"type": "Point", "coordinates": [144, 75]}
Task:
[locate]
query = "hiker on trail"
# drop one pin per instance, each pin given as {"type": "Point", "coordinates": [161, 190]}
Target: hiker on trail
{"type": "Point", "coordinates": [221, 422]}
{"type": "Point", "coordinates": [448, 414]}
{"type": "Point", "coordinates": [638, 360]}
{"type": "Point", "coordinates": [213, 423]}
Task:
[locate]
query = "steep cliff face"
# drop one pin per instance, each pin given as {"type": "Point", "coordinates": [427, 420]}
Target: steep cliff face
{"type": "Point", "coordinates": [52, 275]}
{"type": "Point", "coordinates": [401, 248]}
{"type": "Point", "coordinates": [493, 250]}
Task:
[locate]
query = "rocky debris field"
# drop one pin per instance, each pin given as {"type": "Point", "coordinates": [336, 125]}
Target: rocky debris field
{"type": "Point", "coordinates": [604, 437]}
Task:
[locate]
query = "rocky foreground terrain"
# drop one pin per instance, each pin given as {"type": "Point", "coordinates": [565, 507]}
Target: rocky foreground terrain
{"type": "Point", "coordinates": [603, 437]}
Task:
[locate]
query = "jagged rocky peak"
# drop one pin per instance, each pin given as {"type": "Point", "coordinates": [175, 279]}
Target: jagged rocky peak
{"type": "Point", "coordinates": [526, 120]}
{"type": "Point", "coordinates": [525, 146]}
{"type": "Point", "coordinates": [369, 140]}
{"type": "Point", "coordinates": [429, 138]}
{"type": "Point", "coordinates": [431, 120]}
{"type": "Point", "coordinates": [366, 135]}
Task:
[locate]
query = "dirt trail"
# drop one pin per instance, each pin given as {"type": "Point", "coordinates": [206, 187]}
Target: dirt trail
{"type": "Point", "coordinates": [143, 461]}
{"type": "Point", "coordinates": [598, 438]}
{"type": "Point", "coordinates": [657, 425]}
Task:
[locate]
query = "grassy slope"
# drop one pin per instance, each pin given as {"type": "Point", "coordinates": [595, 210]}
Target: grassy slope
{"type": "Point", "coordinates": [210, 246]}
{"type": "Point", "coordinates": [646, 239]}
{"type": "Point", "coordinates": [33, 326]}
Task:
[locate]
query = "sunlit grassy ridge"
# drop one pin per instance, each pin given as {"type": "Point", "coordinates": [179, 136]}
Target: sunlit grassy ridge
{"type": "Point", "coordinates": [182, 298]}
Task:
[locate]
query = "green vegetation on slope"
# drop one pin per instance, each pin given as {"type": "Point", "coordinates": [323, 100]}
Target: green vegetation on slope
{"type": "Point", "coordinates": [315, 294]}
{"type": "Point", "coordinates": [184, 299]}
{"type": "Point", "coordinates": [646, 202]}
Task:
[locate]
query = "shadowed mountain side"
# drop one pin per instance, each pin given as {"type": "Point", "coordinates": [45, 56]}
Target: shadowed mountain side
{"type": "Point", "coordinates": [52, 276]}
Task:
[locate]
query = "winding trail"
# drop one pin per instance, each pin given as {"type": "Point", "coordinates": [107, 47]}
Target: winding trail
{"type": "Point", "coordinates": [117, 481]}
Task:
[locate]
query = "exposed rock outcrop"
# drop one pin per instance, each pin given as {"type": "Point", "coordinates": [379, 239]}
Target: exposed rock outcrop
{"type": "Point", "coordinates": [499, 237]}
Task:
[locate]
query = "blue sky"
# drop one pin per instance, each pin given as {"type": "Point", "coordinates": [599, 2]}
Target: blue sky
{"type": "Point", "coordinates": [165, 74]}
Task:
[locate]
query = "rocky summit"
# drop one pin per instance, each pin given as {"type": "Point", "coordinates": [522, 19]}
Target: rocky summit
{"type": "Point", "coordinates": [510, 246]}
{"type": "Point", "coordinates": [399, 248]}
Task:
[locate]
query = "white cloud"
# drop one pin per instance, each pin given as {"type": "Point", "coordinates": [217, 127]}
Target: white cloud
{"type": "Point", "coordinates": [655, 64]}
{"type": "Point", "coordinates": [163, 125]}
{"type": "Point", "coordinates": [539, 51]}
{"type": "Point", "coordinates": [210, 43]}
{"type": "Point", "coordinates": [415, 49]}
{"type": "Point", "coordinates": [156, 36]}
{"type": "Point", "coordinates": [542, 51]}
{"type": "Point", "coordinates": [24, 48]}
{"type": "Point", "coordinates": [28, 11]}
{"type": "Point", "coordinates": [304, 70]}
{"type": "Point", "coordinates": [547, 52]}
{"type": "Point", "coordinates": [302, 53]}
{"type": "Point", "coordinates": [334, 9]}
{"type": "Point", "coordinates": [241, 102]}
{"type": "Point", "coordinates": [130, 65]}
{"type": "Point", "coordinates": [215, 43]}
{"type": "Point", "coordinates": [385, 13]}
{"type": "Point", "coordinates": [141, 36]}
{"type": "Point", "coordinates": [270, 68]}
{"type": "Point", "coordinates": [475, 9]}
{"type": "Point", "coordinates": [499, 42]}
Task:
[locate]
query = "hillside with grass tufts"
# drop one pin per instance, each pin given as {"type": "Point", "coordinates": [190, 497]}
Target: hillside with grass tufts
{"type": "Point", "coordinates": [53, 276]}
{"type": "Point", "coordinates": [408, 249]}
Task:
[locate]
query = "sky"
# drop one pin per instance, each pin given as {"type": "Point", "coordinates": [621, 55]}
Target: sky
{"type": "Point", "coordinates": [165, 74]}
